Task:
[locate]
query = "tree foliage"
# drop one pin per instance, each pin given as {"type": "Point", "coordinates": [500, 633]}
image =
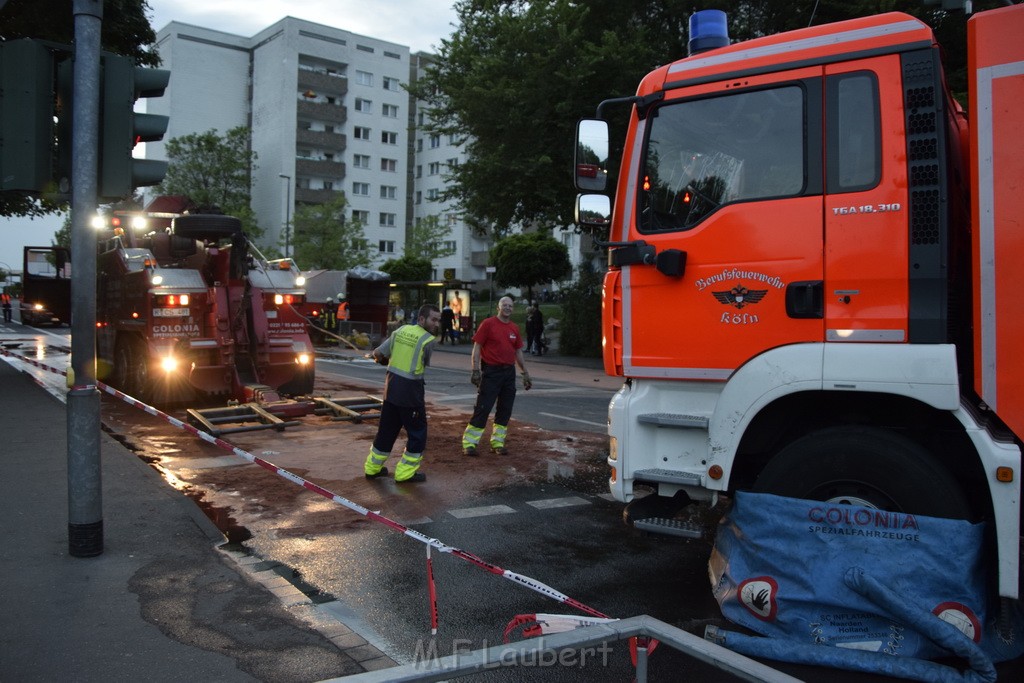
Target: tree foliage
{"type": "Point", "coordinates": [580, 326]}
{"type": "Point", "coordinates": [408, 268]}
{"type": "Point", "coordinates": [426, 239]}
{"type": "Point", "coordinates": [324, 238]}
{"type": "Point", "coordinates": [529, 259]}
{"type": "Point", "coordinates": [125, 31]}
{"type": "Point", "coordinates": [214, 172]}
{"type": "Point", "coordinates": [516, 75]}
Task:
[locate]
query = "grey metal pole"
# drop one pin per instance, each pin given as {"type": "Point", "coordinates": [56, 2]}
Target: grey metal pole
{"type": "Point", "coordinates": [85, 496]}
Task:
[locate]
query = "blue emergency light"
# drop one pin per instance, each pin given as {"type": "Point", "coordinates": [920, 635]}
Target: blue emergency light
{"type": "Point", "coordinates": [708, 31]}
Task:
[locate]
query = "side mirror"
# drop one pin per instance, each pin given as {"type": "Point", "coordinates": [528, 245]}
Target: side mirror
{"type": "Point", "coordinates": [593, 210]}
{"type": "Point", "coordinates": [591, 162]}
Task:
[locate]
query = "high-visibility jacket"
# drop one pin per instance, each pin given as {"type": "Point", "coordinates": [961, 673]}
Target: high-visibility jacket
{"type": "Point", "coordinates": [408, 344]}
{"type": "Point", "coordinates": [343, 310]}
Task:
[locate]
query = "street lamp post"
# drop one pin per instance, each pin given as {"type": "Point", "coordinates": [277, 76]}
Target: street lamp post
{"type": "Point", "coordinates": [287, 212]}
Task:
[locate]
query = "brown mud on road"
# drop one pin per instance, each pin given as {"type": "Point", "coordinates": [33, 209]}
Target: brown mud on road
{"type": "Point", "coordinates": [241, 496]}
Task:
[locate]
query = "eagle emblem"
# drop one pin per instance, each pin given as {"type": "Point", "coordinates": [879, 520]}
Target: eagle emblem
{"type": "Point", "coordinates": [739, 296]}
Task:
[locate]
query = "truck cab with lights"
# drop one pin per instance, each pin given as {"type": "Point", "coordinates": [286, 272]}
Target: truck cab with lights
{"type": "Point", "coordinates": [192, 308]}
{"type": "Point", "coordinates": [811, 267]}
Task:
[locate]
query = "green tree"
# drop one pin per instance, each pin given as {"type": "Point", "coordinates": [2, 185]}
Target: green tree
{"type": "Point", "coordinates": [62, 238]}
{"type": "Point", "coordinates": [324, 238]}
{"type": "Point", "coordinates": [529, 259]}
{"type": "Point", "coordinates": [580, 325]}
{"type": "Point", "coordinates": [126, 31]}
{"type": "Point", "coordinates": [214, 172]}
{"type": "Point", "coordinates": [426, 239]}
{"type": "Point", "coordinates": [408, 268]}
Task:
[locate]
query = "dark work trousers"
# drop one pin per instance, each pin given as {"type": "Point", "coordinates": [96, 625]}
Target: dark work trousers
{"type": "Point", "coordinates": [392, 419]}
{"type": "Point", "coordinates": [498, 383]}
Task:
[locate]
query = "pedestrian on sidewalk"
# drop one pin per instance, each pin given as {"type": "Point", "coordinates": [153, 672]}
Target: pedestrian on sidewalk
{"type": "Point", "coordinates": [497, 350]}
{"type": "Point", "coordinates": [6, 299]}
{"type": "Point", "coordinates": [447, 322]}
{"type": "Point", "coordinates": [406, 353]}
{"type": "Point", "coordinates": [534, 329]}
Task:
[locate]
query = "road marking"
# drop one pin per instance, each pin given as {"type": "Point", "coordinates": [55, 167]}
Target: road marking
{"type": "Point", "coordinates": [550, 503]}
{"type": "Point", "coordinates": [573, 419]}
{"type": "Point", "coordinates": [465, 513]}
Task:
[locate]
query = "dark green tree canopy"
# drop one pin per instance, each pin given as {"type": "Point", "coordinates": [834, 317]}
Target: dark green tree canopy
{"type": "Point", "coordinates": [408, 269]}
{"type": "Point", "coordinates": [529, 259]}
{"type": "Point", "coordinates": [324, 238]}
{"type": "Point", "coordinates": [213, 172]}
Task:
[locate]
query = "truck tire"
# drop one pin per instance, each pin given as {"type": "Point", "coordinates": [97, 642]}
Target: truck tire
{"type": "Point", "coordinates": [123, 367]}
{"type": "Point", "coordinates": [864, 466]}
{"type": "Point", "coordinates": [206, 226]}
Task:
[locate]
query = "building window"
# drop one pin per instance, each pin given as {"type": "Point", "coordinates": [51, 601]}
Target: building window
{"type": "Point", "coordinates": [390, 165]}
{"type": "Point", "coordinates": [328, 185]}
{"type": "Point", "coordinates": [419, 145]}
{"type": "Point", "coordinates": [390, 110]}
{"type": "Point", "coordinates": [361, 189]}
{"type": "Point", "coordinates": [451, 246]}
{"type": "Point", "coordinates": [434, 168]}
{"type": "Point", "coordinates": [361, 217]}
{"type": "Point", "coordinates": [453, 219]}
{"type": "Point", "coordinates": [453, 164]}
{"type": "Point", "coordinates": [435, 141]}
{"type": "Point", "coordinates": [364, 48]}
{"type": "Point", "coordinates": [419, 198]}
{"type": "Point", "coordinates": [386, 246]}
{"type": "Point", "coordinates": [391, 84]}
{"type": "Point", "coordinates": [387, 220]}
{"type": "Point", "coordinates": [361, 160]}
{"type": "Point", "coordinates": [433, 195]}
{"type": "Point", "coordinates": [363, 105]}
{"type": "Point", "coordinates": [364, 78]}
{"type": "Point", "coordinates": [388, 192]}
{"type": "Point", "coordinates": [392, 55]}
{"type": "Point", "coordinates": [389, 138]}
{"type": "Point", "coordinates": [419, 171]}
{"type": "Point", "coordinates": [361, 133]}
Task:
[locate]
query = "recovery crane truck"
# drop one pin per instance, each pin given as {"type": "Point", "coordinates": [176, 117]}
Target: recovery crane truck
{"type": "Point", "coordinates": [812, 284]}
{"type": "Point", "coordinates": [195, 309]}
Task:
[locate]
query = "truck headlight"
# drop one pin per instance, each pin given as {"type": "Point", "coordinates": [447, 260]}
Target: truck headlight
{"type": "Point", "coordinates": [169, 364]}
{"type": "Point", "coordinates": [303, 359]}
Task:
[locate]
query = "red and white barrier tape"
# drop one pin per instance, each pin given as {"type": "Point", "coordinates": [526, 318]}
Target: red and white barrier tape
{"type": "Point", "coordinates": [526, 581]}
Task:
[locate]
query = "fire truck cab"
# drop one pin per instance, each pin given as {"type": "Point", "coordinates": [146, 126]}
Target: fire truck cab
{"type": "Point", "coordinates": [811, 270]}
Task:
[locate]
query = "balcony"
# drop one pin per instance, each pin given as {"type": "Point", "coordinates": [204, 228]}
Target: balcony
{"type": "Point", "coordinates": [321, 139]}
{"type": "Point", "coordinates": [322, 83]}
{"type": "Point", "coordinates": [479, 259]}
{"type": "Point", "coordinates": [315, 196]}
{"type": "Point", "coordinates": [319, 168]}
{"type": "Point", "coordinates": [322, 111]}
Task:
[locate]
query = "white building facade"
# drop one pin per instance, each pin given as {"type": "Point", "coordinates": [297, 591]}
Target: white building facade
{"type": "Point", "coordinates": [328, 113]}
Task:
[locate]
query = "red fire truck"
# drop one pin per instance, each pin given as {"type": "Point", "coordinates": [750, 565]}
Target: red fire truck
{"type": "Point", "coordinates": [812, 281]}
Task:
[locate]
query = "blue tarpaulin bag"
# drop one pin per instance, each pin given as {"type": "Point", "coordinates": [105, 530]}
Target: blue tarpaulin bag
{"type": "Point", "coordinates": [796, 570]}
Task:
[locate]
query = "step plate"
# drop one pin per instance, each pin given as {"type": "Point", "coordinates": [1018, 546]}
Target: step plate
{"type": "Point", "coordinates": [671, 527]}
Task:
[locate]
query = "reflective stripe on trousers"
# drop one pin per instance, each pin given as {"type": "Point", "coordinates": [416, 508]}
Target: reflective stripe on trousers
{"type": "Point", "coordinates": [498, 434]}
{"type": "Point", "coordinates": [408, 465]}
{"type": "Point", "coordinates": [471, 437]}
{"type": "Point", "coordinates": [375, 461]}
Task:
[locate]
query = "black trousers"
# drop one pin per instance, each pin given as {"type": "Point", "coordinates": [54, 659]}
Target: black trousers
{"type": "Point", "coordinates": [497, 384]}
{"type": "Point", "coordinates": [392, 419]}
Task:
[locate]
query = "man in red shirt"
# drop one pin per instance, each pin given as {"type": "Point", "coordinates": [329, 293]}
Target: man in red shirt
{"type": "Point", "coordinates": [497, 350]}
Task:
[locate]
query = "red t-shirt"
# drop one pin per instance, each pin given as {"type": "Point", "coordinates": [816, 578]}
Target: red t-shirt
{"type": "Point", "coordinates": [498, 341]}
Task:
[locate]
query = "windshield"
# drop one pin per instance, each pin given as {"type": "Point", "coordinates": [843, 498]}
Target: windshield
{"type": "Point", "coordinates": [704, 153]}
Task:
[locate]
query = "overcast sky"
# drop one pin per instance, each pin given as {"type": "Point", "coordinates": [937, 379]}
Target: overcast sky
{"type": "Point", "coordinates": [419, 24]}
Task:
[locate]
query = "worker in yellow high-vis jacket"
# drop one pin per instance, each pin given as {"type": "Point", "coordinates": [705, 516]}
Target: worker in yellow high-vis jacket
{"type": "Point", "coordinates": [407, 354]}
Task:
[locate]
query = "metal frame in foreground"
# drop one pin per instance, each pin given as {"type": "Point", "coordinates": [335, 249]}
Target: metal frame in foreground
{"type": "Point", "coordinates": [514, 654]}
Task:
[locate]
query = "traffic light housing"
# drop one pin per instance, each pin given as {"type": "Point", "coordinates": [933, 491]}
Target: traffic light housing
{"type": "Point", "coordinates": [121, 128]}
{"type": "Point", "coordinates": [26, 116]}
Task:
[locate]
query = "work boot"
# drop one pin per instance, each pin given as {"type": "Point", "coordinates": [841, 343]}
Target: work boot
{"type": "Point", "coordinates": [383, 473]}
{"type": "Point", "coordinates": [470, 451]}
{"type": "Point", "coordinates": [500, 450]}
{"type": "Point", "coordinates": [414, 479]}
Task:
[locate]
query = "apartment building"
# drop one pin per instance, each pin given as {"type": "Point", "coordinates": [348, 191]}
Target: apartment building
{"type": "Point", "coordinates": [328, 114]}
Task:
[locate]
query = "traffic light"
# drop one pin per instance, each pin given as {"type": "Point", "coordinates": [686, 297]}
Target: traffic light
{"type": "Point", "coordinates": [121, 128]}
{"type": "Point", "coordinates": [26, 116]}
